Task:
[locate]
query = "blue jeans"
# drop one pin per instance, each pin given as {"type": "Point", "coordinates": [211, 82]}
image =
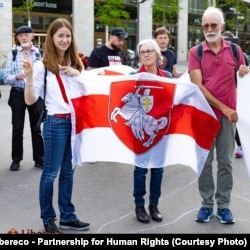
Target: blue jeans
{"type": "Point", "coordinates": [57, 157]}
{"type": "Point", "coordinates": [140, 185]}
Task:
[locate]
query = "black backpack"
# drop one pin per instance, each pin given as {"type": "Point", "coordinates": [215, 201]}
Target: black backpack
{"type": "Point", "coordinates": [14, 53]}
{"type": "Point", "coordinates": [235, 53]}
{"type": "Point", "coordinates": [233, 48]}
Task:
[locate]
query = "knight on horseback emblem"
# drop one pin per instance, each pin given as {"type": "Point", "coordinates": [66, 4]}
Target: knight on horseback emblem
{"type": "Point", "coordinates": [135, 112]}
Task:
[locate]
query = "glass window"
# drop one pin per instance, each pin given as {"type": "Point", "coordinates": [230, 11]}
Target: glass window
{"type": "Point", "coordinates": [19, 20]}
{"type": "Point", "coordinates": [197, 6]}
{"type": "Point", "coordinates": [99, 27]}
{"type": "Point", "coordinates": [37, 23]}
{"type": "Point", "coordinates": [131, 28]}
{"type": "Point", "coordinates": [48, 21]}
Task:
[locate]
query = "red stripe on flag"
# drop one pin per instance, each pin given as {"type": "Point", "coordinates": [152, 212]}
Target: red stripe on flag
{"type": "Point", "coordinates": [195, 123]}
{"type": "Point", "coordinates": [110, 73]}
{"type": "Point", "coordinates": [92, 111]}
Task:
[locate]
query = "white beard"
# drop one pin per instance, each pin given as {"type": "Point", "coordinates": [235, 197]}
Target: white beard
{"type": "Point", "coordinates": [213, 38]}
{"type": "Point", "coordinates": [24, 45]}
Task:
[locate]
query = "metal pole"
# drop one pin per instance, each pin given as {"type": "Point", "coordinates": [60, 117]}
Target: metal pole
{"type": "Point", "coordinates": [236, 28]}
{"type": "Point", "coordinates": [28, 12]}
{"type": "Point", "coordinates": [137, 21]}
{"type": "Point", "coordinates": [138, 18]}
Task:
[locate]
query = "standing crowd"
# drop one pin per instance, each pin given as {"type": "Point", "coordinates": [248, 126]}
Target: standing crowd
{"type": "Point", "coordinates": [34, 74]}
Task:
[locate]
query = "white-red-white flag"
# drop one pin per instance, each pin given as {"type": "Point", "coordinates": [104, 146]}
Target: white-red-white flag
{"type": "Point", "coordinates": [139, 119]}
{"type": "Point", "coordinates": [243, 124]}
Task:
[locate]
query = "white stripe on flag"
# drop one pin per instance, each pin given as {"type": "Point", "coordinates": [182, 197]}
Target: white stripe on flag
{"type": "Point", "coordinates": [102, 144]}
{"type": "Point", "coordinates": [243, 124]}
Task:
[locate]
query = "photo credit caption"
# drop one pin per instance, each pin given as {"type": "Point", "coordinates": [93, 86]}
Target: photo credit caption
{"type": "Point", "coordinates": [124, 240]}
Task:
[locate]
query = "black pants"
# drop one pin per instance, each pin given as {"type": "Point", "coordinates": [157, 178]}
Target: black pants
{"type": "Point", "coordinates": [18, 108]}
{"type": "Point", "coordinates": [237, 138]}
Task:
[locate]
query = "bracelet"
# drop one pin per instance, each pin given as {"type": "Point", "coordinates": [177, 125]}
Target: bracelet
{"type": "Point", "coordinates": [28, 84]}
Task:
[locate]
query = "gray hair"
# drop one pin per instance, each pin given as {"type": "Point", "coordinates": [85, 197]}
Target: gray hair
{"type": "Point", "coordinates": [214, 11]}
{"type": "Point", "coordinates": [155, 47]}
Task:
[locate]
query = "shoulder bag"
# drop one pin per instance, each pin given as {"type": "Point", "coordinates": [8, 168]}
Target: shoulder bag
{"type": "Point", "coordinates": [39, 108]}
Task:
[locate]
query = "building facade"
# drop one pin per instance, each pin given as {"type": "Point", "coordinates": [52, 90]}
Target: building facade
{"type": "Point", "coordinates": [89, 33]}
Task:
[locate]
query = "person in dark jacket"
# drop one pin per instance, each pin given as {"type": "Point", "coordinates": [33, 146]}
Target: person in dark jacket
{"type": "Point", "coordinates": [15, 77]}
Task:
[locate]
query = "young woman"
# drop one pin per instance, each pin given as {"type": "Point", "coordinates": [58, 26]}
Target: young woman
{"type": "Point", "coordinates": [60, 57]}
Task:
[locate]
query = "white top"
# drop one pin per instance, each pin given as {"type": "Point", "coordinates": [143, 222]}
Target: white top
{"type": "Point", "coordinates": [54, 101]}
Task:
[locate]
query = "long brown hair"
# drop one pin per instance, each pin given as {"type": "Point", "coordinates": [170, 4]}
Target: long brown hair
{"type": "Point", "coordinates": [51, 58]}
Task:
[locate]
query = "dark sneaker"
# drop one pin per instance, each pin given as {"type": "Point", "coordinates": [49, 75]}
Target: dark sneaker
{"type": "Point", "coordinates": [51, 227]}
{"type": "Point", "coordinates": [15, 165]}
{"type": "Point", "coordinates": [204, 214]}
{"type": "Point", "coordinates": [225, 216]}
{"type": "Point", "coordinates": [74, 225]}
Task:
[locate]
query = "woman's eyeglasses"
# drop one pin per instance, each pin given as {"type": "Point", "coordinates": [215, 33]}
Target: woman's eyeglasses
{"type": "Point", "coordinates": [211, 25]}
{"type": "Point", "coordinates": [148, 52]}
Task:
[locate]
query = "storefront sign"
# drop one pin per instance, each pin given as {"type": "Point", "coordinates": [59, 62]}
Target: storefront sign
{"type": "Point", "coordinates": [49, 6]}
{"type": "Point", "coordinates": [45, 5]}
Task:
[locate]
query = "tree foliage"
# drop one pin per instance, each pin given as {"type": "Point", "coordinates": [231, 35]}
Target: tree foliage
{"type": "Point", "coordinates": [111, 12]}
{"type": "Point", "coordinates": [165, 11]}
{"type": "Point", "coordinates": [27, 5]}
{"type": "Point", "coordinates": [235, 13]}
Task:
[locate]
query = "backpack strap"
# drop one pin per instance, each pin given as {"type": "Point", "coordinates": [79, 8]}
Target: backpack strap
{"type": "Point", "coordinates": [233, 47]}
{"type": "Point", "coordinates": [199, 51]}
{"type": "Point", "coordinates": [246, 60]}
{"type": "Point", "coordinates": [14, 53]}
{"type": "Point", "coordinates": [235, 53]}
{"type": "Point", "coordinates": [45, 82]}
{"type": "Point", "coordinates": [234, 50]}
{"type": "Point", "coordinates": [41, 52]}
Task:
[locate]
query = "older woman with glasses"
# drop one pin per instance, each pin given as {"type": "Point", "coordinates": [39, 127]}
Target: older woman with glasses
{"type": "Point", "coordinates": [150, 60]}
